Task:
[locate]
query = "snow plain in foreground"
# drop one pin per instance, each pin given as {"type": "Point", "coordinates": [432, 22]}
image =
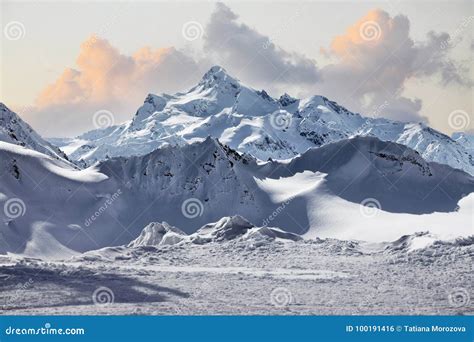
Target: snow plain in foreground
{"type": "Point", "coordinates": [239, 277]}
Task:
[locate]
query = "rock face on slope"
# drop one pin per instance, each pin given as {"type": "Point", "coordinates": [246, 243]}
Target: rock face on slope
{"type": "Point", "coordinates": [251, 121]}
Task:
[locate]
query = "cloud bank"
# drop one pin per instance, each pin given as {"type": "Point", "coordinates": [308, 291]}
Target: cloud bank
{"type": "Point", "coordinates": [376, 57]}
{"type": "Point", "coordinates": [105, 79]}
{"type": "Point", "coordinates": [371, 63]}
{"type": "Point", "coordinates": [253, 56]}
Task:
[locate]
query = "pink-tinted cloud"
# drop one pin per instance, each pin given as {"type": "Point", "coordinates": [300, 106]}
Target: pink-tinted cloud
{"type": "Point", "coordinates": [106, 79]}
{"type": "Point", "coordinates": [376, 57]}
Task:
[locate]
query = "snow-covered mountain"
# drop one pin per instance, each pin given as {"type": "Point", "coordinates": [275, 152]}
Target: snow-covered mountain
{"type": "Point", "coordinates": [383, 189]}
{"type": "Point", "coordinates": [250, 121]}
{"type": "Point", "coordinates": [15, 131]}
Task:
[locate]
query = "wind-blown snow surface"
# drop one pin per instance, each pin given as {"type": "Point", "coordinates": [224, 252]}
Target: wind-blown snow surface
{"type": "Point", "coordinates": [238, 276]}
{"type": "Point", "coordinates": [316, 194]}
{"type": "Point", "coordinates": [251, 121]}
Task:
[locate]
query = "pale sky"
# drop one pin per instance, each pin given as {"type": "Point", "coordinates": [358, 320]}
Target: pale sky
{"type": "Point", "coordinates": [51, 34]}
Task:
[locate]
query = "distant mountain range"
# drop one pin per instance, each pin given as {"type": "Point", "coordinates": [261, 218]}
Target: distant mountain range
{"type": "Point", "coordinates": [250, 121]}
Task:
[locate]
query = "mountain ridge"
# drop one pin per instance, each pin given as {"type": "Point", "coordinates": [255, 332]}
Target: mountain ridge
{"type": "Point", "coordinates": [15, 131]}
{"type": "Point", "coordinates": [250, 121]}
{"type": "Point", "coordinates": [202, 182]}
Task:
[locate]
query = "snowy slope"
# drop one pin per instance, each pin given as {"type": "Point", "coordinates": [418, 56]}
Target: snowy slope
{"type": "Point", "coordinates": [465, 139]}
{"type": "Point", "coordinates": [15, 131]}
{"type": "Point", "coordinates": [251, 121]}
{"type": "Point", "coordinates": [65, 210]}
{"type": "Point", "coordinates": [38, 213]}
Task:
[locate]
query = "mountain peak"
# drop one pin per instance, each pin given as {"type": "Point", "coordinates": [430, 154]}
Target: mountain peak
{"type": "Point", "coordinates": [286, 100]}
{"type": "Point", "coordinates": [215, 70]}
{"type": "Point", "coordinates": [218, 75]}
